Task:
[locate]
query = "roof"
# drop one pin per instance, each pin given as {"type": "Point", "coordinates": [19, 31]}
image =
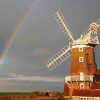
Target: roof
{"type": "Point", "coordinates": [86, 92]}
{"type": "Point", "coordinates": [97, 72]}
{"type": "Point", "coordinates": [66, 90]}
{"type": "Point", "coordinates": [95, 85]}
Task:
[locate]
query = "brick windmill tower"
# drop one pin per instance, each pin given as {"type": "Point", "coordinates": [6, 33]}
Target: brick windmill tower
{"type": "Point", "coordinates": [84, 76]}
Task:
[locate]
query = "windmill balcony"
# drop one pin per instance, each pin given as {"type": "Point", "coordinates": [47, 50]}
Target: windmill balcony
{"type": "Point", "coordinates": [79, 78]}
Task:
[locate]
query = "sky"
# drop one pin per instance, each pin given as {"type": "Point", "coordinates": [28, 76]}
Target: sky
{"type": "Point", "coordinates": [29, 36]}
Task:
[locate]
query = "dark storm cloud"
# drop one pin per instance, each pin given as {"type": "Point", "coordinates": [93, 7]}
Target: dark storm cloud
{"type": "Point", "coordinates": [40, 38]}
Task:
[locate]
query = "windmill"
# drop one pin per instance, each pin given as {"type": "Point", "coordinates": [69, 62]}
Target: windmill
{"type": "Point", "coordinates": [83, 64]}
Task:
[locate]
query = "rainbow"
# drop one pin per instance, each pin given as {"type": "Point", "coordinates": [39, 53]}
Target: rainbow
{"type": "Point", "coordinates": [13, 34]}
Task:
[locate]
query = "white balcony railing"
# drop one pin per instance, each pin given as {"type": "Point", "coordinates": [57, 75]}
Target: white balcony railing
{"type": "Point", "coordinates": [79, 78]}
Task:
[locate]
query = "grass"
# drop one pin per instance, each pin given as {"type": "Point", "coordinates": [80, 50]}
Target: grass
{"type": "Point", "coordinates": [15, 93]}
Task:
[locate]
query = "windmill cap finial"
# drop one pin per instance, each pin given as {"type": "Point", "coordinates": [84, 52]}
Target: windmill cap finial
{"type": "Point", "coordinates": [94, 26]}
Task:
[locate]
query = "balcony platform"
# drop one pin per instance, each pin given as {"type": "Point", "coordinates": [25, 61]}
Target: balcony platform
{"type": "Point", "coordinates": [79, 78]}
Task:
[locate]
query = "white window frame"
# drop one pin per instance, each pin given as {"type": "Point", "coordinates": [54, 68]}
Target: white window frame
{"type": "Point", "coordinates": [81, 49]}
{"type": "Point", "coordinates": [81, 73]}
{"type": "Point", "coordinates": [83, 98]}
{"type": "Point", "coordinates": [81, 76]}
{"type": "Point", "coordinates": [81, 85]}
{"type": "Point", "coordinates": [81, 59]}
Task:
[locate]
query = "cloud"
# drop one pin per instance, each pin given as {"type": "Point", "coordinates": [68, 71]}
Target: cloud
{"type": "Point", "coordinates": [5, 83]}
{"type": "Point", "coordinates": [40, 51]}
{"type": "Point", "coordinates": [38, 39]}
{"type": "Point", "coordinates": [33, 78]}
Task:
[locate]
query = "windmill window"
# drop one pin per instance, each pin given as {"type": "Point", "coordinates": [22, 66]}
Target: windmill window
{"type": "Point", "coordinates": [81, 49]}
{"type": "Point", "coordinates": [81, 59]}
{"type": "Point", "coordinates": [81, 86]}
{"type": "Point", "coordinates": [81, 74]}
{"type": "Point", "coordinates": [83, 98]}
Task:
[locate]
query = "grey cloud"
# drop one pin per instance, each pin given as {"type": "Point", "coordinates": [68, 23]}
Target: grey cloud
{"type": "Point", "coordinates": [25, 56]}
{"type": "Point", "coordinates": [16, 77]}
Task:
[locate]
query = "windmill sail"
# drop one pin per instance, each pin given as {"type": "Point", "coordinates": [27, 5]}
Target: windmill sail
{"type": "Point", "coordinates": [57, 59]}
{"type": "Point", "coordinates": [63, 25]}
{"type": "Point", "coordinates": [98, 22]}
